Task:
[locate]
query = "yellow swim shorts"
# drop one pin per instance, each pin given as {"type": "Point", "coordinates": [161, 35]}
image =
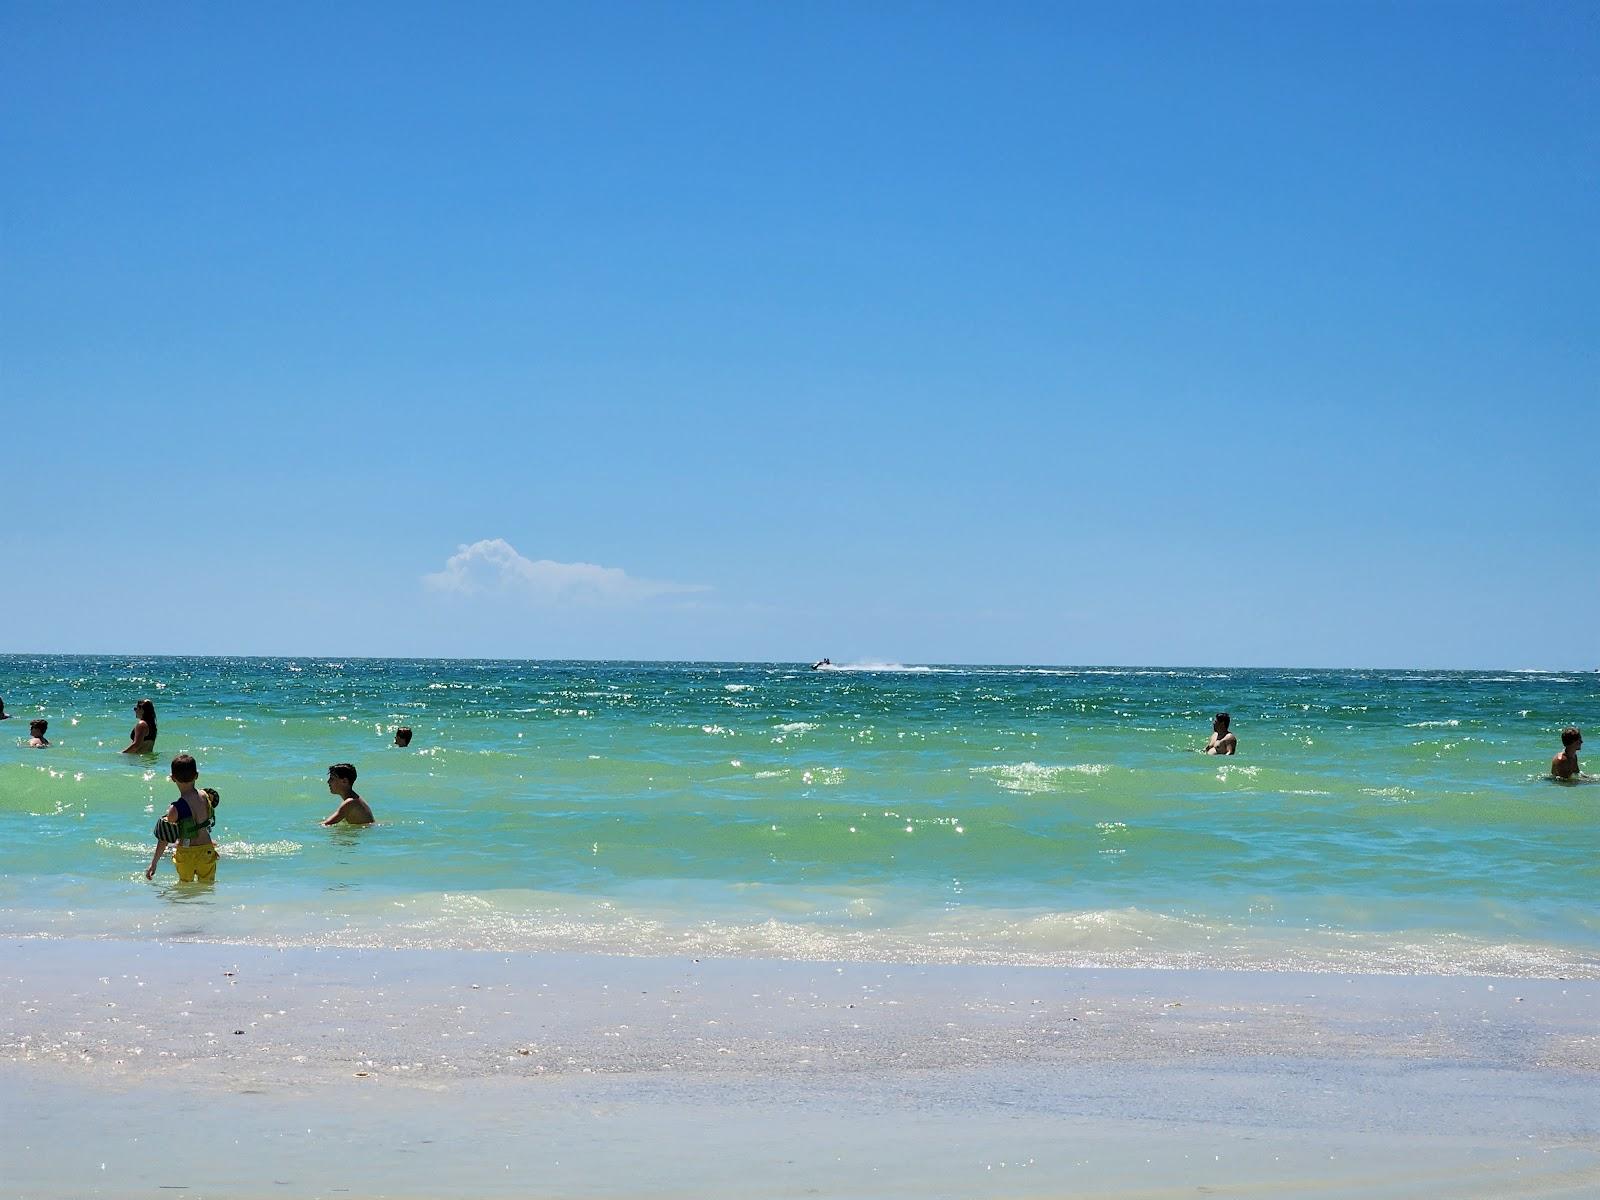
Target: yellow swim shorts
{"type": "Point", "coordinates": [195, 862]}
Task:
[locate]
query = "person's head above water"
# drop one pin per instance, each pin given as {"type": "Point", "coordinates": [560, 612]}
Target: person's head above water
{"type": "Point", "coordinates": [1220, 722]}
{"type": "Point", "coordinates": [352, 810]}
{"type": "Point", "coordinates": [184, 769]}
{"type": "Point", "coordinates": [402, 736]}
{"type": "Point", "coordinates": [37, 728]}
{"type": "Point", "coordinates": [1571, 737]}
{"type": "Point", "coordinates": [145, 710]}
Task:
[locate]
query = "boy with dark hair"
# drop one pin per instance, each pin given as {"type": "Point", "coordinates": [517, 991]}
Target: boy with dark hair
{"type": "Point", "coordinates": [1221, 741]}
{"type": "Point", "coordinates": [1565, 765]}
{"type": "Point", "coordinates": [187, 826]}
{"type": "Point", "coordinates": [36, 737]}
{"type": "Point", "coordinates": [352, 810]}
{"type": "Point", "coordinates": [402, 736]}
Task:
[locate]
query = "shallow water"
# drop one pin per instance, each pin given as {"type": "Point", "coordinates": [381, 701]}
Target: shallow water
{"type": "Point", "coordinates": [1376, 821]}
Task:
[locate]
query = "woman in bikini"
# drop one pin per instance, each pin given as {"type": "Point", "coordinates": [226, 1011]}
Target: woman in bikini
{"type": "Point", "coordinates": [142, 740]}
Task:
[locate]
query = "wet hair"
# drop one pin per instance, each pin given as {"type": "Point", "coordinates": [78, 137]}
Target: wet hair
{"type": "Point", "coordinates": [1571, 736]}
{"type": "Point", "coordinates": [37, 728]}
{"type": "Point", "coordinates": [145, 710]}
{"type": "Point", "coordinates": [342, 771]}
{"type": "Point", "coordinates": [1222, 719]}
{"type": "Point", "coordinates": [185, 769]}
{"type": "Point", "coordinates": [402, 736]}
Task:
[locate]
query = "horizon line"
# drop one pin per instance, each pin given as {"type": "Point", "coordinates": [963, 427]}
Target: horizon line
{"type": "Point", "coordinates": [865, 665]}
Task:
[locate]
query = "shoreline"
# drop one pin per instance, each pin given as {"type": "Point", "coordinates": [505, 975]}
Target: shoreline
{"type": "Point", "coordinates": [1115, 940]}
{"type": "Point", "coordinates": [487, 1065]}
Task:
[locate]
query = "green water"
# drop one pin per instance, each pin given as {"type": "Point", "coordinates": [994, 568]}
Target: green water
{"type": "Point", "coordinates": [1371, 821]}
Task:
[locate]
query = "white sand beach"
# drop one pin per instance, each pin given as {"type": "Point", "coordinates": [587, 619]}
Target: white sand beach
{"type": "Point", "coordinates": [217, 1070]}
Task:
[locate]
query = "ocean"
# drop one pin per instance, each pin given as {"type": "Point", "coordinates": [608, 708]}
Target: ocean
{"type": "Point", "coordinates": [1372, 821]}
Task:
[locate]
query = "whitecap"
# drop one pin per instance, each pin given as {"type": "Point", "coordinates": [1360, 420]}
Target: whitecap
{"type": "Point", "coordinates": [125, 847]}
{"type": "Point", "coordinates": [279, 849]}
{"type": "Point", "coordinates": [1035, 777]}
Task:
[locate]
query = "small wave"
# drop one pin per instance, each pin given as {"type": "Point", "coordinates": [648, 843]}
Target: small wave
{"type": "Point", "coordinates": [279, 849]}
{"type": "Point", "coordinates": [1034, 777]}
{"type": "Point", "coordinates": [842, 931]}
{"type": "Point", "coordinates": [1452, 724]}
{"type": "Point", "coordinates": [1227, 769]}
{"type": "Point", "coordinates": [123, 847]}
{"type": "Point", "coordinates": [737, 687]}
{"type": "Point", "coordinates": [794, 727]}
{"type": "Point", "coordinates": [826, 776]}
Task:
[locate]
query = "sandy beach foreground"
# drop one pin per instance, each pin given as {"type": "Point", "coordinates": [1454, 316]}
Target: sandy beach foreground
{"type": "Point", "coordinates": [364, 1073]}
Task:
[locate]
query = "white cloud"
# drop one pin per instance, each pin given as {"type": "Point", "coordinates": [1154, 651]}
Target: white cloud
{"type": "Point", "coordinates": [493, 567]}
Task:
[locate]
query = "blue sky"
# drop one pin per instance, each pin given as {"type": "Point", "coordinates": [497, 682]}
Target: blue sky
{"type": "Point", "coordinates": [1227, 334]}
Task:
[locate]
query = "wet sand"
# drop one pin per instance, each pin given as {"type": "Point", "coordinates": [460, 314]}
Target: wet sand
{"type": "Point", "coordinates": [216, 1070]}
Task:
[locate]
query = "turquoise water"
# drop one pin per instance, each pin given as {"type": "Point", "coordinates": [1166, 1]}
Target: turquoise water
{"type": "Point", "coordinates": [1376, 821]}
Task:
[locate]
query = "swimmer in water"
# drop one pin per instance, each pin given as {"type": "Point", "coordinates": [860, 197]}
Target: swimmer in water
{"type": "Point", "coordinates": [4, 715]}
{"type": "Point", "coordinates": [352, 810]}
{"type": "Point", "coordinates": [402, 736]}
{"type": "Point", "coordinates": [142, 739]}
{"type": "Point", "coordinates": [36, 737]}
{"type": "Point", "coordinates": [1221, 741]}
{"type": "Point", "coordinates": [1564, 766]}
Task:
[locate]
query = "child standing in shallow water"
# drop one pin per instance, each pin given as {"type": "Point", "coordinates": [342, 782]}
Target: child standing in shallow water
{"type": "Point", "coordinates": [36, 737]}
{"type": "Point", "coordinates": [187, 827]}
